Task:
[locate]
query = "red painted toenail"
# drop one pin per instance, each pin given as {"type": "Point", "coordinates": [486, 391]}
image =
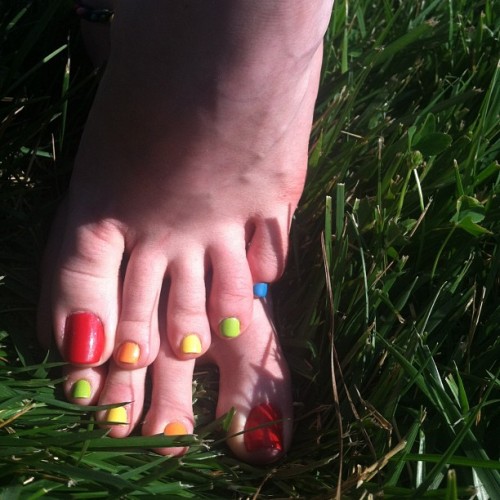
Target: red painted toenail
{"type": "Point", "coordinates": [84, 338]}
{"type": "Point", "coordinates": [268, 435]}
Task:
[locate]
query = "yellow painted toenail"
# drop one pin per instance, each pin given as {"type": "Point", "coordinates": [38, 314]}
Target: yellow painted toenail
{"type": "Point", "coordinates": [129, 353]}
{"type": "Point", "coordinates": [117, 415]}
{"type": "Point", "coordinates": [230, 327]}
{"type": "Point", "coordinates": [191, 344]}
{"type": "Point", "coordinates": [175, 429]}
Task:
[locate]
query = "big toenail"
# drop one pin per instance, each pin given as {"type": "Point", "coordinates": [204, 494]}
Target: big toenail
{"type": "Point", "coordinates": [262, 434]}
{"type": "Point", "coordinates": [117, 415]}
{"type": "Point", "coordinates": [230, 327]}
{"type": "Point", "coordinates": [191, 344]}
{"type": "Point", "coordinates": [175, 429]}
{"type": "Point", "coordinates": [84, 338]}
{"type": "Point", "coordinates": [81, 389]}
{"type": "Point", "coordinates": [260, 290]}
{"type": "Point", "coordinates": [129, 353]}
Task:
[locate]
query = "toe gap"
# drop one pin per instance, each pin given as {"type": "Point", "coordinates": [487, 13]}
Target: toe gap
{"type": "Point", "coordinates": [250, 228]}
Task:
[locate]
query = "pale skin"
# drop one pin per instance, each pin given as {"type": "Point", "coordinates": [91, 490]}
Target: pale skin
{"type": "Point", "coordinates": [191, 165]}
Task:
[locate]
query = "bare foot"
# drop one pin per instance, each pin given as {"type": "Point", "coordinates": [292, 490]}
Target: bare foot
{"type": "Point", "coordinates": [189, 170]}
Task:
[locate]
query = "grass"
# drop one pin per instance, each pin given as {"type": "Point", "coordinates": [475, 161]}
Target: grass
{"type": "Point", "coordinates": [389, 308]}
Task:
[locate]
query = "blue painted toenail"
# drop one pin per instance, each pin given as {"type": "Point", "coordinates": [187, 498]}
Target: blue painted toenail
{"type": "Point", "coordinates": [260, 290]}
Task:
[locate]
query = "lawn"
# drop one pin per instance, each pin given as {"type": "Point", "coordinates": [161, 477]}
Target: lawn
{"type": "Point", "coordinates": [389, 311]}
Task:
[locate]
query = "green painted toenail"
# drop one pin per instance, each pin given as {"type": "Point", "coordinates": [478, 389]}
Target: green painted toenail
{"type": "Point", "coordinates": [230, 327]}
{"type": "Point", "coordinates": [81, 389]}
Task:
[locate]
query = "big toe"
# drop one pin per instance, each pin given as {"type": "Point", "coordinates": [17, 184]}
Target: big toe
{"type": "Point", "coordinates": [255, 382]}
{"type": "Point", "coordinates": [85, 292]}
{"type": "Point", "coordinates": [80, 283]}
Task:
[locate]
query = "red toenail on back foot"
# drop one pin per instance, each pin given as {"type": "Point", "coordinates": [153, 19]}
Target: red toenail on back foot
{"type": "Point", "coordinates": [84, 338]}
{"type": "Point", "coordinates": [266, 436]}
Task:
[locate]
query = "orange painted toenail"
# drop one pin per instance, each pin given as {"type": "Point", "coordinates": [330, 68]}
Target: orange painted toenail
{"type": "Point", "coordinates": [175, 429]}
{"type": "Point", "coordinates": [129, 353]}
{"type": "Point", "coordinates": [230, 327]}
{"type": "Point", "coordinates": [191, 344]}
{"type": "Point", "coordinates": [117, 415]}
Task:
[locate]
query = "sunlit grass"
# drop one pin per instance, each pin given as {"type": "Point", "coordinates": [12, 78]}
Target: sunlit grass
{"type": "Point", "coordinates": [389, 310]}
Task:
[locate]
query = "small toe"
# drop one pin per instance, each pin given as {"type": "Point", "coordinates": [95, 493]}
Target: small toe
{"type": "Point", "coordinates": [83, 385]}
{"type": "Point", "coordinates": [171, 411]}
{"type": "Point", "coordinates": [124, 387]}
{"type": "Point", "coordinates": [267, 250]}
{"type": "Point", "coordinates": [137, 338]}
{"type": "Point", "coordinates": [231, 293]}
{"type": "Point", "coordinates": [187, 323]}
